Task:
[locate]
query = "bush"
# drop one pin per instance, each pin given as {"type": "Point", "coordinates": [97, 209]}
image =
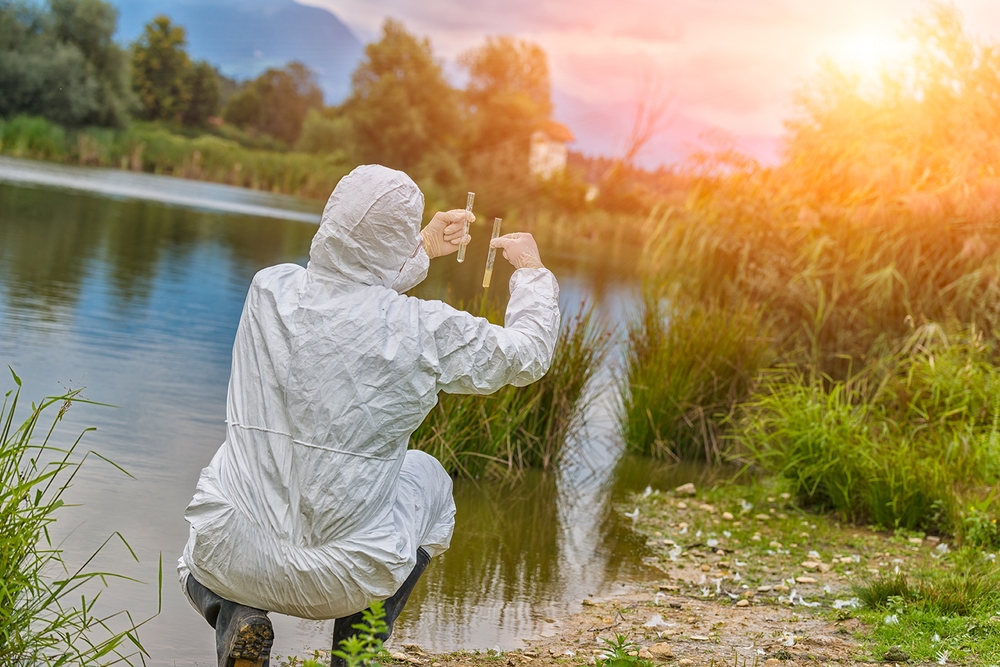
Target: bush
{"type": "Point", "coordinates": [518, 427]}
{"type": "Point", "coordinates": [911, 442]}
{"type": "Point", "coordinates": [686, 368]}
{"type": "Point", "coordinates": [45, 616]}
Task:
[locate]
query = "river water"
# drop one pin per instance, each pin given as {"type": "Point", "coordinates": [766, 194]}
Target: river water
{"type": "Point", "coordinates": [131, 285]}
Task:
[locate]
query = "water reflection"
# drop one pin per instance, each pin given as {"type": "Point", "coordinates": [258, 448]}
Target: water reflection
{"type": "Point", "coordinates": [139, 301]}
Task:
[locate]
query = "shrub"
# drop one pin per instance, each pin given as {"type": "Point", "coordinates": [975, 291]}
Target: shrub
{"type": "Point", "coordinates": [686, 368]}
{"type": "Point", "coordinates": [909, 442]}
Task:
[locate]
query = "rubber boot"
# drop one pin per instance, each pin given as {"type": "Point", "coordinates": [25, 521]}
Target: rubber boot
{"type": "Point", "coordinates": [243, 635]}
{"type": "Point", "coordinates": [344, 627]}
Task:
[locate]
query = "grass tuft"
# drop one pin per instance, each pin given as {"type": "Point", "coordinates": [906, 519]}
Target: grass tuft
{"type": "Point", "coordinates": [518, 427]}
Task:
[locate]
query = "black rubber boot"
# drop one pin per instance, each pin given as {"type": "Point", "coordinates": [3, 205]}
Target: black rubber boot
{"type": "Point", "coordinates": [243, 635]}
{"type": "Point", "coordinates": [344, 627]}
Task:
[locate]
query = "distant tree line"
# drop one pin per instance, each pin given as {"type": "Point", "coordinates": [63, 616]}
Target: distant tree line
{"type": "Point", "coordinates": [59, 61]}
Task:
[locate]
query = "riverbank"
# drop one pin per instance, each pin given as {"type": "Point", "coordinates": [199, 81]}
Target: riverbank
{"type": "Point", "coordinates": [748, 578]}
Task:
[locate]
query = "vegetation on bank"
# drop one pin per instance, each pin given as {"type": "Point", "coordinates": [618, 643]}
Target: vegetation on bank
{"type": "Point", "coordinates": [500, 434]}
{"type": "Point", "coordinates": [47, 606]}
{"type": "Point", "coordinates": [867, 266]}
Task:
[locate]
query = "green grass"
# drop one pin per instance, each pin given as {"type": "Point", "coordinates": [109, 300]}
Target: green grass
{"type": "Point", "coordinates": [47, 611]}
{"type": "Point", "coordinates": [949, 609]}
{"type": "Point", "coordinates": [518, 427]}
{"type": "Point", "coordinates": [911, 442]}
{"type": "Point", "coordinates": [154, 148]}
{"type": "Point", "coordinates": [686, 369]}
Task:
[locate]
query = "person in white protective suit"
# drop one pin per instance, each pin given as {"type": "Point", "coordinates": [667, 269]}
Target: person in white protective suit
{"type": "Point", "coordinates": [313, 506]}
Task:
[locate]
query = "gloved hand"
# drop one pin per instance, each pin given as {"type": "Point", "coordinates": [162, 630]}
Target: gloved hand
{"type": "Point", "coordinates": [443, 234]}
{"type": "Point", "coordinates": [520, 249]}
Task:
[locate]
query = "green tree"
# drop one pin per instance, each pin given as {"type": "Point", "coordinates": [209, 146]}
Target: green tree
{"type": "Point", "coordinates": [404, 113]}
{"type": "Point", "coordinates": [161, 70]}
{"type": "Point", "coordinates": [205, 91]}
{"type": "Point", "coordinates": [61, 63]}
{"type": "Point", "coordinates": [509, 93]}
{"type": "Point", "coordinates": [276, 103]}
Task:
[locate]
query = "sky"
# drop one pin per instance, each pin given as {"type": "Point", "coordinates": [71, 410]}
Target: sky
{"type": "Point", "coordinates": [730, 68]}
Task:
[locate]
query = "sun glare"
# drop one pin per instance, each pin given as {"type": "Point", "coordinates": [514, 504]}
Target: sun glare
{"type": "Point", "coordinates": [867, 53]}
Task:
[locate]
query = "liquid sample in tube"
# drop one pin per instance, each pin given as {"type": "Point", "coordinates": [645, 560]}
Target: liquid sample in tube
{"type": "Point", "coordinates": [492, 254]}
{"type": "Point", "coordinates": [468, 210]}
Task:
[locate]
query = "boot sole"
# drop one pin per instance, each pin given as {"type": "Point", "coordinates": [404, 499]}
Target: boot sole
{"type": "Point", "coordinates": [252, 644]}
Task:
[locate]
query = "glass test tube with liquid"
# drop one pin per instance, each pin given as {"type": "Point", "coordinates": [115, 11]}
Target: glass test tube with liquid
{"type": "Point", "coordinates": [492, 254]}
{"type": "Point", "coordinates": [468, 210]}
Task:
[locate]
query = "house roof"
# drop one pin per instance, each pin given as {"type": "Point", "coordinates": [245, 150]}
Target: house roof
{"type": "Point", "coordinates": [557, 132]}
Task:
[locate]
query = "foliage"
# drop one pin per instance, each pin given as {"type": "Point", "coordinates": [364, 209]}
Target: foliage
{"type": "Point", "coordinates": [928, 128]}
{"type": "Point", "coordinates": [910, 442]}
{"type": "Point", "coordinates": [321, 134]}
{"type": "Point", "coordinates": [362, 648]}
{"type": "Point", "coordinates": [621, 652]}
{"type": "Point", "coordinates": [402, 110]}
{"type": "Point", "coordinates": [161, 70]}
{"type": "Point", "coordinates": [203, 83]}
{"type": "Point", "coordinates": [46, 615]}
{"type": "Point", "coordinates": [518, 427]}
{"type": "Point", "coordinates": [62, 64]}
{"type": "Point", "coordinates": [276, 102]}
{"type": "Point", "coordinates": [686, 369]}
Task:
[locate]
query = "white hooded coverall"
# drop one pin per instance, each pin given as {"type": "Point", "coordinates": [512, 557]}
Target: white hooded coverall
{"type": "Point", "coordinates": [313, 506]}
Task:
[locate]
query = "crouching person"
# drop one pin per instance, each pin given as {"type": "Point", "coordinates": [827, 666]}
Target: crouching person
{"type": "Point", "coordinates": [313, 506]}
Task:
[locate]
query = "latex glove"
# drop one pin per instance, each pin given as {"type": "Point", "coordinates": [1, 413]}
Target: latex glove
{"type": "Point", "coordinates": [444, 233]}
{"type": "Point", "coordinates": [520, 249]}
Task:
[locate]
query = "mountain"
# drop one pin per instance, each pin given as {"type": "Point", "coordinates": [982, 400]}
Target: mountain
{"type": "Point", "coordinates": [243, 38]}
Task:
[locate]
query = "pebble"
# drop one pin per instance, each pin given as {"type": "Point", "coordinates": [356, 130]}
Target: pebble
{"type": "Point", "coordinates": [728, 516]}
{"type": "Point", "coordinates": [762, 517]}
{"type": "Point", "coordinates": [686, 490]}
{"type": "Point", "coordinates": [588, 603]}
{"type": "Point", "coordinates": [705, 567]}
{"type": "Point", "coordinates": [916, 540]}
{"type": "Point", "coordinates": [661, 651]}
{"type": "Point", "coordinates": [775, 544]}
{"type": "Point", "coordinates": [805, 580]}
{"type": "Point", "coordinates": [743, 603]}
{"type": "Point", "coordinates": [763, 589]}
{"type": "Point", "coordinates": [685, 662]}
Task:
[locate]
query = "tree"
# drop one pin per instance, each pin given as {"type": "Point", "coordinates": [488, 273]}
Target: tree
{"type": "Point", "coordinates": [204, 89]}
{"type": "Point", "coordinates": [161, 70]}
{"type": "Point", "coordinates": [404, 113]}
{"type": "Point", "coordinates": [509, 93]}
{"type": "Point", "coordinates": [62, 64]}
{"type": "Point", "coordinates": [276, 102]}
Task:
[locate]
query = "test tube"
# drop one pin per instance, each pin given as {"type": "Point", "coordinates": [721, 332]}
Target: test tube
{"type": "Point", "coordinates": [492, 254]}
{"type": "Point", "coordinates": [468, 210]}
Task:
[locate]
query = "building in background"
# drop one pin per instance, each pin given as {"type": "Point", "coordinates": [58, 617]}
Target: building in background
{"type": "Point", "coordinates": [548, 150]}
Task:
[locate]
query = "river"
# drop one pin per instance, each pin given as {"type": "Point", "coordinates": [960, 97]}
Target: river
{"type": "Point", "coordinates": [131, 285]}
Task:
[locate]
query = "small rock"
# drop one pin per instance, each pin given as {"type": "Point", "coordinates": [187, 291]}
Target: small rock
{"type": "Point", "coordinates": [707, 508]}
{"type": "Point", "coordinates": [916, 540]}
{"type": "Point", "coordinates": [805, 580]}
{"type": "Point", "coordinates": [762, 517]}
{"type": "Point", "coordinates": [728, 516]}
{"type": "Point", "coordinates": [772, 662]}
{"type": "Point", "coordinates": [699, 638]}
{"type": "Point", "coordinates": [896, 654]}
{"type": "Point", "coordinates": [933, 539]}
{"type": "Point", "coordinates": [685, 662]}
{"type": "Point", "coordinates": [811, 565]}
{"type": "Point", "coordinates": [686, 490]}
{"type": "Point", "coordinates": [588, 603]}
{"type": "Point", "coordinates": [743, 603]}
{"type": "Point", "coordinates": [824, 567]}
{"type": "Point", "coordinates": [763, 589]}
{"type": "Point", "coordinates": [774, 544]}
{"type": "Point", "coordinates": [661, 651]}
{"type": "Point", "coordinates": [705, 567]}
{"type": "Point", "coordinates": [682, 505]}
{"type": "Point", "coordinates": [645, 654]}
{"type": "Point", "coordinates": [782, 588]}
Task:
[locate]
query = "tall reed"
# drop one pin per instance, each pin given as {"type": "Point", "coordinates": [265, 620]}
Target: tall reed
{"type": "Point", "coordinates": [47, 616]}
{"type": "Point", "coordinates": [687, 366]}
{"type": "Point", "coordinates": [518, 427]}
